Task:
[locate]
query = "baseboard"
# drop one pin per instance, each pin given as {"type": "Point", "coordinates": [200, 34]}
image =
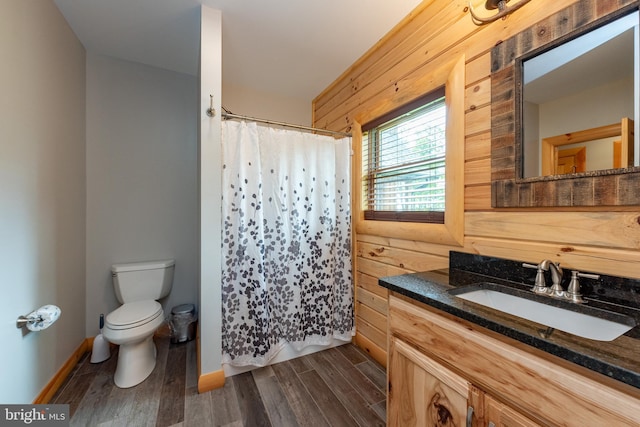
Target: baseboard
{"type": "Point", "coordinates": [210, 381]}
{"type": "Point", "coordinates": [54, 384]}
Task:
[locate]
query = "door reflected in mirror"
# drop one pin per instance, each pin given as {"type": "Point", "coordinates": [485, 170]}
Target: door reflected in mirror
{"type": "Point", "coordinates": [580, 103]}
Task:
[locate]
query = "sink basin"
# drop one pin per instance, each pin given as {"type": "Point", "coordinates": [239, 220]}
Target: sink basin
{"type": "Point", "coordinates": [588, 323]}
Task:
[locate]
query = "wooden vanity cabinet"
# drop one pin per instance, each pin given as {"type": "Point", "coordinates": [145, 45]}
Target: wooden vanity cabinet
{"type": "Point", "coordinates": [423, 392]}
{"type": "Point", "coordinates": [498, 414]}
{"type": "Point", "coordinates": [440, 365]}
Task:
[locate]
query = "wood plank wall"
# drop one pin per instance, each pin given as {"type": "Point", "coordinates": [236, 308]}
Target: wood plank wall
{"type": "Point", "coordinates": [391, 73]}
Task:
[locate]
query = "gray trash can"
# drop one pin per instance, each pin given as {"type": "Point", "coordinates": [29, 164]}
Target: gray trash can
{"type": "Point", "coordinates": [183, 323]}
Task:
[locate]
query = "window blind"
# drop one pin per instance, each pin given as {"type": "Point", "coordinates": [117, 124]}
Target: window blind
{"type": "Point", "coordinates": [404, 165]}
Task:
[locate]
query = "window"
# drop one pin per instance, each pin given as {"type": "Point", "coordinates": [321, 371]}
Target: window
{"type": "Point", "coordinates": [404, 162]}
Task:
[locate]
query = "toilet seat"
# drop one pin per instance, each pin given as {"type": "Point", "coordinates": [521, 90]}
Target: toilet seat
{"type": "Point", "coordinates": [134, 314]}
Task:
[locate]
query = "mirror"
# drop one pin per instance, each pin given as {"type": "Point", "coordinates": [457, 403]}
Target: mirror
{"type": "Point", "coordinates": [543, 148]}
{"type": "Point", "coordinates": [580, 103]}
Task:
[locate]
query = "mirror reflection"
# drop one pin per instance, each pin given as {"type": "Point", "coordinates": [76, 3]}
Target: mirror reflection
{"type": "Point", "coordinates": [580, 103]}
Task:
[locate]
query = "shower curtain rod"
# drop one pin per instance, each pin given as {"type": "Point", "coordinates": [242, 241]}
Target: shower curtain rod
{"type": "Point", "coordinates": [226, 115]}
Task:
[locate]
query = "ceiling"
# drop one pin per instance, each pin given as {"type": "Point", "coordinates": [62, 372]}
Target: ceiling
{"type": "Point", "coordinates": [290, 48]}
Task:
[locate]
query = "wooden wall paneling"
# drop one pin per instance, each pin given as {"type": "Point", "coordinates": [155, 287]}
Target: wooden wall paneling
{"type": "Point", "coordinates": [481, 43]}
{"type": "Point", "coordinates": [417, 42]}
{"type": "Point", "coordinates": [477, 68]}
{"type": "Point", "coordinates": [405, 38]}
{"type": "Point", "coordinates": [604, 229]}
{"type": "Point", "coordinates": [478, 146]}
{"type": "Point", "coordinates": [451, 41]}
{"type": "Point", "coordinates": [614, 262]}
{"type": "Point", "coordinates": [401, 67]}
{"type": "Point", "coordinates": [371, 300]}
{"type": "Point", "coordinates": [376, 240]}
{"type": "Point", "coordinates": [398, 84]}
{"type": "Point", "coordinates": [477, 95]}
{"type": "Point", "coordinates": [477, 197]}
{"type": "Point", "coordinates": [370, 284]}
{"type": "Point", "coordinates": [477, 172]}
{"type": "Point", "coordinates": [478, 120]}
{"type": "Point", "coordinates": [372, 317]}
{"type": "Point", "coordinates": [376, 100]}
{"type": "Point", "coordinates": [377, 336]}
{"type": "Point", "coordinates": [411, 260]}
{"type": "Point", "coordinates": [411, 245]}
{"type": "Point", "coordinates": [377, 269]}
{"type": "Point", "coordinates": [344, 86]}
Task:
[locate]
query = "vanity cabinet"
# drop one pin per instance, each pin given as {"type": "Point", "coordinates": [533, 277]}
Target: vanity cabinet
{"type": "Point", "coordinates": [440, 365]}
{"type": "Point", "coordinates": [498, 414]}
{"type": "Point", "coordinates": [423, 392]}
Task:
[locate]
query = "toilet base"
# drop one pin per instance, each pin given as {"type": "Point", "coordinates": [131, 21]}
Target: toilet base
{"type": "Point", "coordinates": [136, 361]}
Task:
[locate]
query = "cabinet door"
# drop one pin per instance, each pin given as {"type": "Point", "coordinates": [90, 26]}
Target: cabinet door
{"type": "Point", "coordinates": [423, 392]}
{"type": "Point", "coordinates": [501, 415]}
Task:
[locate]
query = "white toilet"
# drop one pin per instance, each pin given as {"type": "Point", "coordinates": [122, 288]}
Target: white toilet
{"type": "Point", "coordinates": [138, 286]}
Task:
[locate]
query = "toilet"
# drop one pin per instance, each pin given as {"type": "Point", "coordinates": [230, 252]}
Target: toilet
{"type": "Point", "coordinates": [132, 325]}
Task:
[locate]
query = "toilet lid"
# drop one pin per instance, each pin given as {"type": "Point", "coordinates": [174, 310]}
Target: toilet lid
{"type": "Point", "coordinates": [134, 314]}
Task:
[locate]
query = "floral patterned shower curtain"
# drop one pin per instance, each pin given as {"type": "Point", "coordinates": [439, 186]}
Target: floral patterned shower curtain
{"type": "Point", "coordinates": [286, 242]}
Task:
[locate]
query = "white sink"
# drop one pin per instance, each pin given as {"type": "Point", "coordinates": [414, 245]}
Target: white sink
{"type": "Point", "coordinates": [583, 325]}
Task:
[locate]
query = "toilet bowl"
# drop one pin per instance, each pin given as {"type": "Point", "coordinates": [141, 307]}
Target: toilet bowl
{"type": "Point", "coordinates": [132, 325]}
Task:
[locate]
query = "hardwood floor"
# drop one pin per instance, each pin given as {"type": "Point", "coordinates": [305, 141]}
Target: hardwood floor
{"type": "Point", "coordinates": [342, 386]}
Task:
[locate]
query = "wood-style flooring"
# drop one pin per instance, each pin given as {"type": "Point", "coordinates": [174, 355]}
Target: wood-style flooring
{"type": "Point", "coordinates": [342, 386]}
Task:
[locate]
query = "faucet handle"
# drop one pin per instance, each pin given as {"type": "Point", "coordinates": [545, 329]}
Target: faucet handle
{"type": "Point", "coordinates": [573, 291]}
{"type": "Point", "coordinates": [540, 286]}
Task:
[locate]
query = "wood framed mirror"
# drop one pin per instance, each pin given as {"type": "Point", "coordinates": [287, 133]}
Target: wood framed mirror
{"type": "Point", "coordinates": [615, 186]}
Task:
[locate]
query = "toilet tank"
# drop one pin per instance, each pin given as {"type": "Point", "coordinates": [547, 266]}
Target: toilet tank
{"type": "Point", "coordinates": [138, 281]}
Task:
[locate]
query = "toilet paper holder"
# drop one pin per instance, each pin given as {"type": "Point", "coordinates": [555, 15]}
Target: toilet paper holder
{"type": "Point", "coordinates": [24, 320]}
{"type": "Point", "coordinates": [39, 319]}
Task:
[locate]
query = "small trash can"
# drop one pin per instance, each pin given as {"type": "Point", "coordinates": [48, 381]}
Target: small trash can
{"type": "Point", "coordinates": [183, 323]}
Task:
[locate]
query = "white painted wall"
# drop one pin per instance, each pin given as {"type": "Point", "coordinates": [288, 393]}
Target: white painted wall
{"type": "Point", "coordinates": [210, 191]}
{"type": "Point", "coordinates": [42, 193]}
{"type": "Point", "coordinates": [598, 106]}
{"type": "Point", "coordinates": [142, 188]}
{"type": "Point", "coordinates": [531, 141]}
{"type": "Point", "coordinates": [250, 102]}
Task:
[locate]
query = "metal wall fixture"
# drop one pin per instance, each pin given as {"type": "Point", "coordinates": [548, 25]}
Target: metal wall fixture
{"type": "Point", "coordinates": [211, 112]}
{"type": "Point", "coordinates": [503, 10]}
{"type": "Point", "coordinates": [228, 115]}
{"type": "Point", "coordinates": [39, 319]}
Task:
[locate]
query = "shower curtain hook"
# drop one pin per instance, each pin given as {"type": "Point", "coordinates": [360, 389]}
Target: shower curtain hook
{"type": "Point", "coordinates": [211, 112]}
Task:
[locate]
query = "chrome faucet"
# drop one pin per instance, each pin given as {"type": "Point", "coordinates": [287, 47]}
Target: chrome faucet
{"type": "Point", "coordinates": [540, 286]}
{"type": "Point", "coordinates": [556, 278]}
{"type": "Point", "coordinates": [556, 291]}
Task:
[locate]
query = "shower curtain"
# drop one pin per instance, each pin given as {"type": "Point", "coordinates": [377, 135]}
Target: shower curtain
{"type": "Point", "coordinates": [286, 242]}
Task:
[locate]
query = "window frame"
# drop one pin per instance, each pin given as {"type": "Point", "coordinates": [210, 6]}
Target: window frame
{"type": "Point", "coordinates": [377, 125]}
{"type": "Point", "coordinates": [452, 75]}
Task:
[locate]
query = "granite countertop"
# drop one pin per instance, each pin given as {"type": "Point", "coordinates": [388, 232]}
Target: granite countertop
{"type": "Point", "coordinates": [618, 359]}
